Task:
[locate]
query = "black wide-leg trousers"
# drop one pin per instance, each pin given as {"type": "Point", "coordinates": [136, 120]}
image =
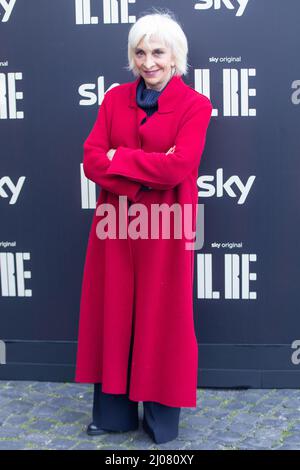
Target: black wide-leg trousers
{"type": "Point", "coordinates": [113, 412]}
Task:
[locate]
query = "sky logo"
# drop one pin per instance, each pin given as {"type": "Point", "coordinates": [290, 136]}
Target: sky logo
{"type": "Point", "coordinates": [238, 5]}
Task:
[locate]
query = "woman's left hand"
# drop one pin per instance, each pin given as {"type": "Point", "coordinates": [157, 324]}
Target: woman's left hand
{"type": "Point", "coordinates": [110, 153]}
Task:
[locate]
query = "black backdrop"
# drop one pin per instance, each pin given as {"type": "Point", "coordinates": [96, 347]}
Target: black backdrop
{"type": "Point", "coordinates": [57, 58]}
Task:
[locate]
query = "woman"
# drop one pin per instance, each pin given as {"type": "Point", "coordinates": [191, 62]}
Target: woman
{"type": "Point", "coordinates": [136, 334]}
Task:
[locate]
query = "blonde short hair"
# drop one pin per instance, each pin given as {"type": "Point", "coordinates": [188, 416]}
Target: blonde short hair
{"type": "Point", "coordinates": [164, 27]}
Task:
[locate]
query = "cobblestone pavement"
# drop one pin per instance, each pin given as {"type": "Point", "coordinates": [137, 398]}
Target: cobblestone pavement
{"type": "Point", "coordinates": [54, 415]}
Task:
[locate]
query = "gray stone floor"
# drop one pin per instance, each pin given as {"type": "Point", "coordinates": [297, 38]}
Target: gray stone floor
{"type": "Point", "coordinates": [53, 415]}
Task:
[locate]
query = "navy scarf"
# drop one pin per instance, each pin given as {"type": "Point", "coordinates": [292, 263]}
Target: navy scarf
{"type": "Point", "coordinates": [147, 98]}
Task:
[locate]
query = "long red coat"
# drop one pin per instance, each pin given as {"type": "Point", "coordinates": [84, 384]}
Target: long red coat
{"type": "Point", "coordinates": [145, 282]}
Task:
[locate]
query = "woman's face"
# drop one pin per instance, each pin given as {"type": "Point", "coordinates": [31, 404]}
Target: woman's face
{"type": "Point", "coordinates": [157, 59]}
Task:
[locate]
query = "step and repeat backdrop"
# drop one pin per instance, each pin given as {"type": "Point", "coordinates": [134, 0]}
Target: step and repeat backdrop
{"type": "Point", "coordinates": [57, 59]}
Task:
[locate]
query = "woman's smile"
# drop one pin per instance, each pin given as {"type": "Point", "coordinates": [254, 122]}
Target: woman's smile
{"type": "Point", "coordinates": [151, 73]}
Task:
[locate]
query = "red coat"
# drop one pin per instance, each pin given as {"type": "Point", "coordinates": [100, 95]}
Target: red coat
{"type": "Point", "coordinates": [148, 280]}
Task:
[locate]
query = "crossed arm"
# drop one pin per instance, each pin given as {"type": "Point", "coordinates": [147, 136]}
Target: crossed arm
{"type": "Point", "coordinates": [124, 171]}
{"type": "Point", "coordinates": [111, 152]}
{"type": "Point", "coordinates": [96, 161]}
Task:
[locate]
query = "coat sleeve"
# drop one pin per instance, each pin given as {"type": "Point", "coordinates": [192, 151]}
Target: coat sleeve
{"type": "Point", "coordinates": [96, 163]}
{"type": "Point", "coordinates": [162, 171]}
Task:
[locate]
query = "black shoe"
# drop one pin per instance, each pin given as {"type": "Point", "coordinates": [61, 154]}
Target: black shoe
{"type": "Point", "coordinates": [94, 430]}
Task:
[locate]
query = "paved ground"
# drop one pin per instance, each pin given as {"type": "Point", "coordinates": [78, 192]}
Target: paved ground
{"type": "Point", "coordinates": [52, 415]}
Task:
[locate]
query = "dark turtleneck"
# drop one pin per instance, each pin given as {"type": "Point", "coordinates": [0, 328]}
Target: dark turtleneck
{"type": "Point", "coordinates": [147, 98]}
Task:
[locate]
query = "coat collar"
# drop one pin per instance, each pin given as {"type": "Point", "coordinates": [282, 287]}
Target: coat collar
{"type": "Point", "coordinates": [167, 100]}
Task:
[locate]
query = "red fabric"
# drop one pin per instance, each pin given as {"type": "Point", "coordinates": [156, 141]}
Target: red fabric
{"type": "Point", "coordinates": [145, 282]}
